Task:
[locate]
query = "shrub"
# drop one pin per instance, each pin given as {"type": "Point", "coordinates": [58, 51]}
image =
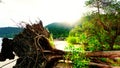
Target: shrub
{"type": "Point", "coordinates": [77, 56]}
{"type": "Point", "coordinates": [73, 40]}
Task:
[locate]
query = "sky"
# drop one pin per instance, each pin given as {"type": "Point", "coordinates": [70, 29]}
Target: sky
{"type": "Point", "coordinates": [13, 12]}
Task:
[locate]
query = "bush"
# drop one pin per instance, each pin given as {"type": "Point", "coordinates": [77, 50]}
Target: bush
{"type": "Point", "coordinates": [73, 40]}
{"type": "Point", "coordinates": [77, 56]}
{"type": "Point", "coordinates": [116, 47]}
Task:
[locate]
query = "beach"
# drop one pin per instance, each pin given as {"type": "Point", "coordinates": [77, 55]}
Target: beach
{"type": "Point", "coordinates": [8, 63]}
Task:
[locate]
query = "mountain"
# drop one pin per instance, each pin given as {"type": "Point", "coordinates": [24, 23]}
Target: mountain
{"type": "Point", "coordinates": [9, 32]}
{"type": "Point", "coordinates": [59, 30]}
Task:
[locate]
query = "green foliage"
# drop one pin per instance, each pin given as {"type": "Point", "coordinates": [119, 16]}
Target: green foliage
{"type": "Point", "coordinates": [59, 30]}
{"type": "Point", "coordinates": [116, 47]}
{"type": "Point", "coordinates": [107, 20]}
{"type": "Point", "coordinates": [77, 56]}
{"type": "Point", "coordinates": [73, 40]}
{"type": "Point", "coordinates": [92, 37]}
{"type": "Point", "coordinates": [51, 41]}
{"type": "Point", "coordinates": [99, 31]}
{"type": "Point", "coordinates": [103, 59]}
{"type": "Point", "coordinates": [114, 62]}
{"type": "Point", "coordinates": [107, 6]}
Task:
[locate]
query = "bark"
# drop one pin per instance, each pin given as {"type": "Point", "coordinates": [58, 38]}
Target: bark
{"type": "Point", "coordinates": [102, 65]}
{"type": "Point", "coordinates": [107, 54]}
{"type": "Point", "coordinates": [33, 48]}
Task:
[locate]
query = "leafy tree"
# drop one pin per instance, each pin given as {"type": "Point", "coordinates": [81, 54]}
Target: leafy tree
{"type": "Point", "coordinates": [108, 22]}
{"type": "Point", "coordinates": [100, 30]}
{"type": "Point", "coordinates": [78, 56]}
{"type": "Point", "coordinates": [107, 6]}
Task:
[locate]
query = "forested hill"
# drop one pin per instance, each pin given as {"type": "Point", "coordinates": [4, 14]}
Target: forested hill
{"type": "Point", "coordinates": [59, 30]}
{"type": "Point", "coordinates": [9, 32]}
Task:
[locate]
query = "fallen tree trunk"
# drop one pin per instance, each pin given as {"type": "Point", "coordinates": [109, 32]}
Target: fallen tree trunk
{"type": "Point", "coordinates": [95, 61]}
{"type": "Point", "coordinates": [102, 65]}
{"type": "Point", "coordinates": [107, 54]}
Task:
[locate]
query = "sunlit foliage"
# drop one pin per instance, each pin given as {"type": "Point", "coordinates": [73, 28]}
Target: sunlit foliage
{"type": "Point", "coordinates": [99, 30]}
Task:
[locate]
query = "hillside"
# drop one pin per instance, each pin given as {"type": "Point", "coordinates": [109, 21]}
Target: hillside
{"type": "Point", "coordinates": [59, 30]}
{"type": "Point", "coordinates": [9, 31]}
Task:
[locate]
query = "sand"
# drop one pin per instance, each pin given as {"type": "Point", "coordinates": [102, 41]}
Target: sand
{"type": "Point", "coordinates": [8, 63]}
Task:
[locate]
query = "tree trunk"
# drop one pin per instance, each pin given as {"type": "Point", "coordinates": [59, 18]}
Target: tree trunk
{"type": "Point", "coordinates": [112, 42]}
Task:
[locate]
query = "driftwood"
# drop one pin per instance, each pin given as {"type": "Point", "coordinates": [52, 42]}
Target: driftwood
{"type": "Point", "coordinates": [30, 46]}
{"type": "Point", "coordinates": [33, 48]}
{"type": "Point", "coordinates": [99, 65]}
{"type": "Point", "coordinates": [100, 54]}
{"type": "Point", "coordinates": [107, 54]}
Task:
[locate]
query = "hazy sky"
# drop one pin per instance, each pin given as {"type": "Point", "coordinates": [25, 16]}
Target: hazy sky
{"type": "Point", "coordinates": [47, 10]}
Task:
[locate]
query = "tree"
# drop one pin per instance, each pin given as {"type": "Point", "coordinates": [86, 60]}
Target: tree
{"type": "Point", "coordinates": [105, 5]}
{"type": "Point", "coordinates": [109, 20]}
{"type": "Point", "coordinates": [100, 30]}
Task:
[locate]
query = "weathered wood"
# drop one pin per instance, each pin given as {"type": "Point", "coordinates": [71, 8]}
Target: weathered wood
{"type": "Point", "coordinates": [33, 48]}
{"type": "Point", "coordinates": [102, 65]}
{"type": "Point", "coordinates": [108, 54]}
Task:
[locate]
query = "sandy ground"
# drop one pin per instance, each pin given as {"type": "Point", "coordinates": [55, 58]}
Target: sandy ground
{"type": "Point", "coordinates": [10, 63]}
{"type": "Point", "coordinates": [60, 44]}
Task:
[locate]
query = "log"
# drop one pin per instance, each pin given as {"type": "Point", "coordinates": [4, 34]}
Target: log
{"type": "Point", "coordinates": [107, 54]}
{"type": "Point", "coordinates": [102, 65]}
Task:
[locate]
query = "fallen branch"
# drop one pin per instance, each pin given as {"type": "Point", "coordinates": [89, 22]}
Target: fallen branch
{"type": "Point", "coordinates": [102, 65]}
{"type": "Point", "coordinates": [107, 54]}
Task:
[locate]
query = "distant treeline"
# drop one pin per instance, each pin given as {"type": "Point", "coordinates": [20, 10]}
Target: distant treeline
{"type": "Point", "coordinates": [9, 32]}
{"type": "Point", "coordinates": [57, 30]}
